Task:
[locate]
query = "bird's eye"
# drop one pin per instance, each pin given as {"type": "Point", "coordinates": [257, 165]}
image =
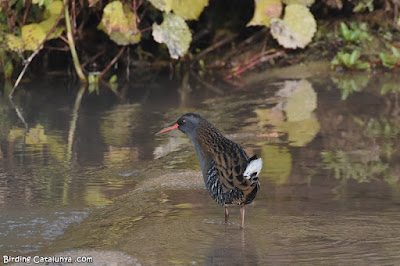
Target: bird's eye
{"type": "Point", "coordinates": [183, 121]}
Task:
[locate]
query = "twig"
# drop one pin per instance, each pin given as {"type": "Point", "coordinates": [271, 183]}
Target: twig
{"type": "Point", "coordinates": [71, 44]}
{"type": "Point", "coordinates": [27, 8]}
{"type": "Point", "coordinates": [105, 83]}
{"type": "Point", "coordinates": [143, 13]}
{"type": "Point", "coordinates": [135, 11]}
{"type": "Point", "coordinates": [244, 43]}
{"type": "Point", "coordinates": [139, 5]}
{"type": "Point", "coordinates": [74, 119]}
{"type": "Point", "coordinates": [64, 39]}
{"type": "Point", "coordinates": [146, 29]}
{"type": "Point", "coordinates": [20, 116]}
{"type": "Point", "coordinates": [93, 58]}
{"type": "Point", "coordinates": [112, 62]}
{"type": "Point", "coordinates": [266, 56]}
{"type": "Point", "coordinates": [29, 60]}
{"type": "Point", "coordinates": [73, 16]}
{"type": "Point", "coordinates": [213, 47]}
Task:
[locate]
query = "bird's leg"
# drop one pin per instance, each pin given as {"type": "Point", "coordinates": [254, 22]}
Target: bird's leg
{"type": "Point", "coordinates": [242, 216]}
{"type": "Point", "coordinates": [226, 214]}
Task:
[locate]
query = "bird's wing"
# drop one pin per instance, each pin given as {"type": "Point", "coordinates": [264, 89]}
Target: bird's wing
{"type": "Point", "coordinates": [230, 163]}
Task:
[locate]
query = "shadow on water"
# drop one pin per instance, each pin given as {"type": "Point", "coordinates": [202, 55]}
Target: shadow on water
{"type": "Point", "coordinates": [329, 184]}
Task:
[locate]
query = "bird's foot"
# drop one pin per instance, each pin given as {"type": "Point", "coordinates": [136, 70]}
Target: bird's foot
{"type": "Point", "coordinates": [242, 211]}
{"type": "Point", "coordinates": [226, 215]}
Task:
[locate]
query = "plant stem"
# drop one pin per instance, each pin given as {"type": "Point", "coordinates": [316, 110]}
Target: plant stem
{"type": "Point", "coordinates": [71, 44]}
{"type": "Point", "coordinates": [29, 60]}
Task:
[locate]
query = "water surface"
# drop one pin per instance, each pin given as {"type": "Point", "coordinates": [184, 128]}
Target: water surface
{"type": "Point", "coordinates": [329, 185]}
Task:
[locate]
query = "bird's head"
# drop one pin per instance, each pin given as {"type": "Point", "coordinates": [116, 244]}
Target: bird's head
{"type": "Point", "coordinates": [188, 124]}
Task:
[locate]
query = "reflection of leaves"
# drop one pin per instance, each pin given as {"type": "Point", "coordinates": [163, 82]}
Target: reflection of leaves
{"type": "Point", "coordinates": [57, 147]}
{"type": "Point", "coordinates": [15, 133]}
{"type": "Point", "coordinates": [268, 116]}
{"type": "Point", "coordinates": [301, 132]}
{"type": "Point", "coordinates": [118, 124]}
{"type": "Point", "coordinates": [349, 84]}
{"type": "Point", "coordinates": [383, 128]}
{"type": "Point", "coordinates": [354, 165]}
{"type": "Point", "coordinates": [175, 33]}
{"type": "Point", "coordinates": [392, 87]}
{"type": "Point", "coordinates": [301, 102]}
{"type": "Point", "coordinates": [120, 155]}
{"type": "Point", "coordinates": [385, 131]}
{"type": "Point", "coordinates": [38, 140]}
{"type": "Point", "coordinates": [36, 136]}
{"type": "Point", "coordinates": [298, 101]}
{"type": "Point", "coordinates": [277, 163]}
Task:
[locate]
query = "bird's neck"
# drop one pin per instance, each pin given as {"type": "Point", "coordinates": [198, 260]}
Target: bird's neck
{"type": "Point", "coordinates": [206, 137]}
{"type": "Point", "coordinates": [204, 159]}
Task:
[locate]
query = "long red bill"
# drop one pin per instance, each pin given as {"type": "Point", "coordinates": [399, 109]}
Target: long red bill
{"type": "Point", "coordinates": [174, 126]}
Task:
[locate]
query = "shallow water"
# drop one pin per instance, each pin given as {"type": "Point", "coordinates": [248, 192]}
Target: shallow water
{"type": "Point", "coordinates": [329, 186]}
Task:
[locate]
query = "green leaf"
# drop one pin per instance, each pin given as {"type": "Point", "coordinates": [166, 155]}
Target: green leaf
{"type": "Point", "coordinates": [48, 24]}
{"type": "Point", "coordinates": [14, 43]}
{"type": "Point", "coordinates": [264, 11]}
{"type": "Point", "coordinates": [175, 33]}
{"type": "Point", "coordinates": [189, 9]}
{"type": "Point", "coordinates": [41, 2]}
{"type": "Point", "coordinates": [300, 2]}
{"type": "Point", "coordinates": [354, 56]}
{"type": "Point", "coordinates": [395, 52]}
{"type": "Point", "coordinates": [297, 28]}
{"type": "Point", "coordinates": [344, 30]}
{"type": "Point", "coordinates": [163, 5]}
{"type": "Point", "coordinates": [388, 61]}
{"type": "Point", "coordinates": [113, 79]}
{"type": "Point", "coordinates": [119, 22]}
{"type": "Point", "coordinates": [32, 35]}
{"type": "Point", "coordinates": [54, 9]}
{"type": "Point", "coordinates": [8, 69]}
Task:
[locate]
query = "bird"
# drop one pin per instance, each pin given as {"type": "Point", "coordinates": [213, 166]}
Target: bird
{"type": "Point", "coordinates": [230, 176]}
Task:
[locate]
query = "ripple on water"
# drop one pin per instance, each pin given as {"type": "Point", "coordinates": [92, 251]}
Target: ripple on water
{"type": "Point", "coordinates": [25, 232]}
{"type": "Point", "coordinates": [333, 238]}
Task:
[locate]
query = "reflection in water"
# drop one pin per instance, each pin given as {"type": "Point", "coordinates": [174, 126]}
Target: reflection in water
{"type": "Point", "coordinates": [233, 247]}
{"type": "Point", "coordinates": [329, 186]}
{"type": "Point", "coordinates": [294, 112]}
{"type": "Point", "coordinates": [349, 84]}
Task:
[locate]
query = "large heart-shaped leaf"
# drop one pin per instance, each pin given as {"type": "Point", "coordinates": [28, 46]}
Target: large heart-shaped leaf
{"type": "Point", "coordinates": [264, 11]}
{"type": "Point", "coordinates": [175, 33]}
{"type": "Point", "coordinates": [297, 28]}
{"type": "Point", "coordinates": [119, 22]}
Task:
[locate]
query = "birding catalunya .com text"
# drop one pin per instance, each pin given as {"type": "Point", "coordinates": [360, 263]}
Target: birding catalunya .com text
{"type": "Point", "coordinates": [45, 260]}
